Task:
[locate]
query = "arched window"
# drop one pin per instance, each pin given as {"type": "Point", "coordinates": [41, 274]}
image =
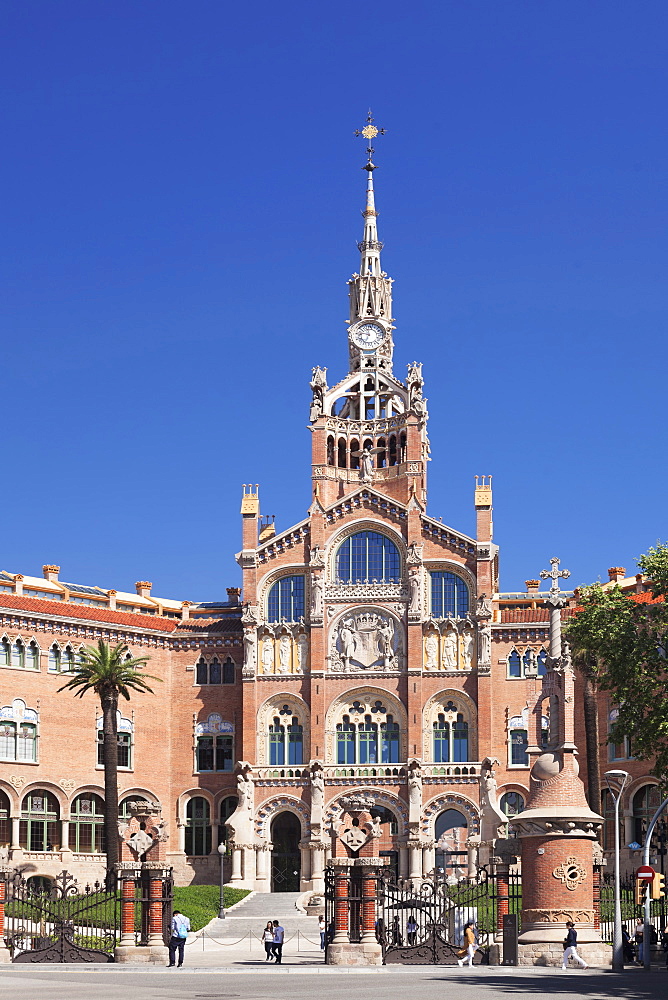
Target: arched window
{"type": "Point", "coordinates": [451, 740]}
{"type": "Point", "coordinates": [393, 449]}
{"type": "Point", "coordinates": [286, 599]}
{"type": "Point", "coordinates": [227, 807]}
{"type": "Point", "coordinates": [382, 454]}
{"type": "Point", "coordinates": [341, 457]}
{"type": "Point", "coordinates": [198, 827]}
{"type": "Point", "coordinates": [285, 739]}
{"type": "Point", "coordinates": [368, 557]}
{"type": "Point", "coordinates": [87, 824]}
{"type": "Point", "coordinates": [330, 450]}
{"type": "Point", "coordinates": [54, 658]}
{"type": "Point", "coordinates": [18, 654]}
{"type": "Point", "coordinates": [67, 659]}
{"type": "Point", "coordinates": [201, 671]}
{"type": "Point", "coordinates": [5, 821]}
{"type": "Point", "coordinates": [449, 595]}
{"type": "Point", "coordinates": [542, 663]}
{"type": "Point", "coordinates": [5, 653]}
{"type": "Point", "coordinates": [514, 664]}
{"type": "Point", "coordinates": [402, 447]}
{"type": "Point", "coordinates": [450, 833]}
{"type": "Point", "coordinates": [354, 454]}
{"type": "Point", "coordinates": [368, 742]}
{"type": "Point", "coordinates": [39, 827]}
{"type": "Point", "coordinates": [32, 656]}
{"type": "Point", "coordinates": [228, 671]}
{"type": "Point", "coordinates": [511, 803]}
{"type": "Point", "coordinates": [215, 672]}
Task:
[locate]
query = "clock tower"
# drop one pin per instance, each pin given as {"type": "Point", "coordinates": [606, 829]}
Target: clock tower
{"type": "Point", "coordinates": [370, 429]}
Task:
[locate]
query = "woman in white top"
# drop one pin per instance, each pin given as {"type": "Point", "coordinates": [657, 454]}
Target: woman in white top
{"type": "Point", "coordinates": [268, 938]}
{"type": "Point", "coordinates": [322, 927]}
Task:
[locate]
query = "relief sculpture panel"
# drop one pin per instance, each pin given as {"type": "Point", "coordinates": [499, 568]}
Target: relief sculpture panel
{"type": "Point", "coordinates": [366, 640]}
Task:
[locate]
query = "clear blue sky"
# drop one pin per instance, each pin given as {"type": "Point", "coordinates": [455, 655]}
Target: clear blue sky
{"type": "Point", "coordinates": [181, 202]}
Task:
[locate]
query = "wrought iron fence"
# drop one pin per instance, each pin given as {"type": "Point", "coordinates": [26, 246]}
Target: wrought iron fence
{"type": "Point", "coordinates": [631, 911]}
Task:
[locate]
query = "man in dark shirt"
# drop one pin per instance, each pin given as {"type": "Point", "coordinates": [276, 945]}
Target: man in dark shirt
{"type": "Point", "coordinates": [279, 934]}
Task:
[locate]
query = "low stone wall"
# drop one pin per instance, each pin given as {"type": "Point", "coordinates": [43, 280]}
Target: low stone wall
{"type": "Point", "coordinates": [551, 953]}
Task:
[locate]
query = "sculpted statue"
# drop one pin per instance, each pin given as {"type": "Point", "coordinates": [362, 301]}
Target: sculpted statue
{"type": "Point", "coordinates": [249, 652]}
{"type": "Point", "coordinates": [244, 788]}
{"type": "Point", "coordinates": [317, 587]}
{"type": "Point", "coordinates": [267, 655]}
{"type": "Point", "coordinates": [450, 650]}
{"type": "Point", "coordinates": [485, 640]}
{"type": "Point", "coordinates": [366, 466]}
{"type": "Point", "coordinates": [386, 634]}
{"type": "Point", "coordinates": [414, 584]}
{"type": "Point", "coordinates": [467, 649]}
{"type": "Point", "coordinates": [431, 649]}
{"type": "Point", "coordinates": [284, 654]}
{"type": "Point", "coordinates": [302, 653]}
{"type": "Point", "coordinates": [484, 607]}
{"type": "Point", "coordinates": [347, 637]}
{"type": "Point", "coordinates": [317, 786]}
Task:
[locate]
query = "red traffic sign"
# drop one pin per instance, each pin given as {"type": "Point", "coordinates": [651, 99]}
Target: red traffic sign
{"type": "Point", "coordinates": [645, 872]}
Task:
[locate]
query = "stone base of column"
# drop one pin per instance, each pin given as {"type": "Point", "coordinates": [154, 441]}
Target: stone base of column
{"type": "Point", "coordinates": [551, 953]}
{"type": "Point", "coordinates": [157, 954]}
{"type": "Point", "coordinates": [355, 954]}
{"type": "Point", "coordinates": [5, 955]}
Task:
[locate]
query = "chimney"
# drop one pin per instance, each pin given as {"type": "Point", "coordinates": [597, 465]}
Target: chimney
{"type": "Point", "coordinates": [111, 594]}
{"type": "Point", "coordinates": [234, 595]}
{"type": "Point", "coordinates": [185, 611]}
{"type": "Point", "coordinates": [18, 584]}
{"type": "Point", "coordinates": [616, 573]}
{"type": "Point", "coordinates": [532, 586]}
{"type": "Point", "coordinates": [640, 587]}
{"type": "Point", "coordinates": [51, 573]}
{"type": "Point", "coordinates": [143, 588]}
{"type": "Point", "coordinates": [267, 528]}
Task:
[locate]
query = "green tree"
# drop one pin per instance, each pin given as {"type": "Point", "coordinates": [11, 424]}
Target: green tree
{"type": "Point", "coordinates": [110, 673]}
{"type": "Point", "coordinates": [626, 636]}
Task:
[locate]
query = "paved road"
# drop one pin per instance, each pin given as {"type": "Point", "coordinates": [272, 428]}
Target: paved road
{"type": "Point", "coordinates": [300, 983]}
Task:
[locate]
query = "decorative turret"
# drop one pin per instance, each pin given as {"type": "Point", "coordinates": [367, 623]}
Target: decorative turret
{"type": "Point", "coordinates": [369, 428]}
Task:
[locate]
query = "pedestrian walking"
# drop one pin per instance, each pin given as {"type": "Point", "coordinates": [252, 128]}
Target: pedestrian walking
{"type": "Point", "coordinates": [411, 930]}
{"type": "Point", "coordinates": [638, 935]}
{"type": "Point", "coordinates": [322, 927]}
{"type": "Point", "coordinates": [469, 949]}
{"type": "Point", "coordinates": [277, 947]}
{"type": "Point", "coordinates": [177, 941]}
{"type": "Point", "coordinates": [571, 947]}
{"type": "Point", "coordinates": [268, 940]}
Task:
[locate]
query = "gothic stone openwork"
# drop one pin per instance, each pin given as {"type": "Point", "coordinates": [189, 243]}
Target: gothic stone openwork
{"type": "Point", "coordinates": [355, 705]}
{"type": "Point", "coordinates": [272, 807]}
{"type": "Point", "coordinates": [276, 706]}
{"type": "Point", "coordinates": [375, 798]}
{"type": "Point", "coordinates": [366, 639]}
{"type": "Point", "coordinates": [450, 703]}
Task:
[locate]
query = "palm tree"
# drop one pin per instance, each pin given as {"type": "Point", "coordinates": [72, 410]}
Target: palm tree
{"type": "Point", "coordinates": [109, 671]}
{"type": "Point", "coordinates": [588, 665]}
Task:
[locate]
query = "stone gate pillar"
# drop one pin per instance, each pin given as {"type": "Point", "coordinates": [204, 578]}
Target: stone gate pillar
{"type": "Point", "coordinates": [557, 829]}
{"type": "Point", "coordinates": [5, 874]}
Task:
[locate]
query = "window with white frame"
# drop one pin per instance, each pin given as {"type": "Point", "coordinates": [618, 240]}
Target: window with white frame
{"type": "Point", "coordinates": [367, 557]}
{"type": "Point", "coordinates": [124, 742]}
{"type": "Point", "coordinates": [285, 739]}
{"type": "Point", "coordinates": [368, 740]}
{"type": "Point", "coordinates": [18, 733]}
{"type": "Point", "coordinates": [451, 736]}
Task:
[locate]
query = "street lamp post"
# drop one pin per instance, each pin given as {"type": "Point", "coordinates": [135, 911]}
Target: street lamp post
{"type": "Point", "coordinates": [222, 850]}
{"type": "Point", "coordinates": [616, 781]}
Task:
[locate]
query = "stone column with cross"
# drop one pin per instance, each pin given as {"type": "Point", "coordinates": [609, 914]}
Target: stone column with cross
{"type": "Point", "coordinates": [557, 830]}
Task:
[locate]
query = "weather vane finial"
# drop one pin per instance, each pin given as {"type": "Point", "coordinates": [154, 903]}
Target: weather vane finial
{"type": "Point", "coordinates": [370, 131]}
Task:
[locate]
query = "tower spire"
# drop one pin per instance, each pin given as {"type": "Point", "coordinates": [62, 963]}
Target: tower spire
{"type": "Point", "coordinates": [370, 246]}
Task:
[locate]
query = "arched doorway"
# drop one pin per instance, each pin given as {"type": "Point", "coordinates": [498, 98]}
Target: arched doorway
{"type": "Point", "coordinates": [450, 834]}
{"type": "Point", "coordinates": [286, 833]}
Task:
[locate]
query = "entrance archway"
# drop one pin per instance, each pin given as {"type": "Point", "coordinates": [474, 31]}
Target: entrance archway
{"type": "Point", "coordinates": [450, 833]}
{"type": "Point", "coordinates": [286, 833]}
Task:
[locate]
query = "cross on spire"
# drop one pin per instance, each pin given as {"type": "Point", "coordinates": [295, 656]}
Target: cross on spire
{"type": "Point", "coordinates": [554, 575]}
{"type": "Point", "coordinates": [370, 131]}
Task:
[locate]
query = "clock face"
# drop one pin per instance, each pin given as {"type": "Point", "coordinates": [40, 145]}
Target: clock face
{"type": "Point", "coordinates": [368, 336]}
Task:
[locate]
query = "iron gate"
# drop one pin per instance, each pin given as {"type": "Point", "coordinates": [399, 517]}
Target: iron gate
{"type": "Point", "coordinates": [57, 920]}
{"type": "Point", "coordinates": [421, 921]}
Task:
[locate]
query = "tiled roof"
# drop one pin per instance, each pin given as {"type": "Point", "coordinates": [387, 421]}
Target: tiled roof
{"type": "Point", "coordinates": [64, 609]}
{"type": "Point", "coordinates": [210, 625]}
{"type": "Point", "coordinates": [645, 598]}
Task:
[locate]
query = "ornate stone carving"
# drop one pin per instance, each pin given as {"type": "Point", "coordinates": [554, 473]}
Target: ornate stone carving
{"type": "Point", "coordinates": [531, 916]}
{"type": "Point", "coordinates": [17, 781]}
{"type": "Point", "coordinates": [250, 615]}
{"type": "Point", "coordinates": [415, 588]}
{"type": "Point", "coordinates": [365, 592]}
{"type": "Point", "coordinates": [67, 784]}
{"type": "Point", "coordinates": [571, 873]}
{"type": "Point", "coordinates": [317, 560]}
{"type": "Point", "coordinates": [365, 640]}
{"type": "Point", "coordinates": [357, 802]}
{"type": "Point", "coordinates": [317, 589]}
{"type": "Point", "coordinates": [250, 641]}
{"type": "Point", "coordinates": [468, 642]}
{"type": "Point", "coordinates": [318, 388]}
{"type": "Point", "coordinates": [449, 658]}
